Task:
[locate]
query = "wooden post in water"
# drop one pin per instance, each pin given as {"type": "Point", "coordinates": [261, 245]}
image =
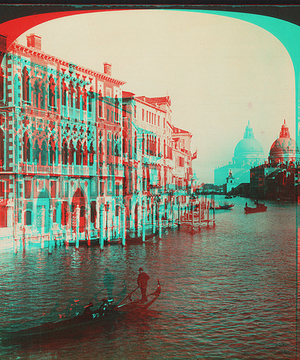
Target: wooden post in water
{"type": "Point", "coordinates": [51, 231]}
{"type": "Point", "coordinates": [193, 217]}
{"type": "Point", "coordinates": [208, 213]}
{"type": "Point", "coordinates": [101, 227]}
{"type": "Point", "coordinates": [89, 226]}
{"type": "Point", "coordinates": [178, 210]}
{"type": "Point", "coordinates": [159, 220]}
{"type": "Point", "coordinates": [123, 220]}
{"type": "Point", "coordinates": [143, 220]}
{"type": "Point", "coordinates": [43, 226]}
{"type": "Point", "coordinates": [77, 226]}
{"type": "Point", "coordinates": [154, 217]}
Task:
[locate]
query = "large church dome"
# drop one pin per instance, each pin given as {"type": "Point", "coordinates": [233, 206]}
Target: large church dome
{"type": "Point", "coordinates": [248, 151]}
{"type": "Point", "coordinates": [284, 148]}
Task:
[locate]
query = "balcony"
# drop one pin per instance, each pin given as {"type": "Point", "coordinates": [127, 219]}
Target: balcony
{"type": "Point", "coordinates": [77, 170]}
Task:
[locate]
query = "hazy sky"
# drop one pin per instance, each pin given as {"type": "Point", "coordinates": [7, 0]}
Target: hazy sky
{"type": "Point", "coordinates": [219, 72]}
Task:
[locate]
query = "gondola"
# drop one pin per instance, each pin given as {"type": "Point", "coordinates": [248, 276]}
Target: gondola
{"type": "Point", "coordinates": [223, 207]}
{"type": "Point", "coordinates": [69, 327]}
{"type": "Point", "coordinates": [258, 208]}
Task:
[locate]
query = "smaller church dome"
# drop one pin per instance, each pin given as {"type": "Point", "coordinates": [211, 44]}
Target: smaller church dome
{"type": "Point", "coordinates": [248, 149]}
{"type": "Point", "coordinates": [284, 148]}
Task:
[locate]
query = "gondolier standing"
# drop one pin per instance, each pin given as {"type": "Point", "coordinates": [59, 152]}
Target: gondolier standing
{"type": "Point", "coordinates": [142, 283]}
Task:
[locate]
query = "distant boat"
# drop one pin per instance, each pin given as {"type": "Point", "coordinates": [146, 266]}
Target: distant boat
{"type": "Point", "coordinates": [228, 197]}
{"type": "Point", "coordinates": [223, 207]}
{"type": "Point", "coordinates": [258, 208]}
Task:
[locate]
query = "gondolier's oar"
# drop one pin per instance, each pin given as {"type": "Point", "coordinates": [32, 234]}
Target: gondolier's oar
{"type": "Point", "coordinates": [128, 296]}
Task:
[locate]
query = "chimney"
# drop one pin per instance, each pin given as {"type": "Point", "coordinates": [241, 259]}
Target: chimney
{"type": "Point", "coordinates": [107, 68]}
{"type": "Point", "coordinates": [34, 41]}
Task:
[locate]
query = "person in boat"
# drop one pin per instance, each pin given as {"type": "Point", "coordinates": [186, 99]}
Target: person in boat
{"type": "Point", "coordinates": [108, 282]}
{"type": "Point", "coordinates": [142, 281]}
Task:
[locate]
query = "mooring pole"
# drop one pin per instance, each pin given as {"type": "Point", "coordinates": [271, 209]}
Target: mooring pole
{"type": "Point", "coordinates": [77, 226]}
{"type": "Point", "coordinates": [101, 227]}
{"type": "Point", "coordinates": [143, 220]}
{"type": "Point", "coordinates": [159, 220]}
{"type": "Point", "coordinates": [123, 220]}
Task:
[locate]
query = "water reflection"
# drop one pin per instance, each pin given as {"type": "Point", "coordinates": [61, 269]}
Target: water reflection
{"type": "Point", "coordinates": [227, 292]}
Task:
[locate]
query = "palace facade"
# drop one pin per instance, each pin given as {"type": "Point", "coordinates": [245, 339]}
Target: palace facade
{"type": "Point", "coordinates": [75, 149]}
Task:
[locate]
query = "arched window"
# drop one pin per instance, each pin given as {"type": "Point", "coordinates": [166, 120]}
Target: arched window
{"type": "Point", "coordinates": [36, 152]}
{"type": "Point", "coordinates": [64, 213]}
{"type": "Point", "coordinates": [27, 217]}
{"type": "Point", "coordinates": [91, 154]}
{"type": "Point", "coordinates": [100, 143]}
{"type": "Point", "coordinates": [100, 103]}
{"type": "Point", "coordinates": [36, 94]}
{"type": "Point", "coordinates": [72, 90]}
{"type": "Point", "coordinates": [1, 149]}
{"type": "Point", "coordinates": [84, 98]}
{"type": "Point", "coordinates": [158, 147]}
{"type": "Point", "coordinates": [52, 149]}
{"type": "Point", "coordinates": [44, 153]}
{"type": "Point", "coordinates": [117, 152]}
{"type": "Point", "coordinates": [116, 110]}
{"type": "Point", "coordinates": [85, 154]}
{"type": "Point", "coordinates": [78, 93]}
{"type": "Point", "coordinates": [108, 144]}
{"type": "Point", "coordinates": [143, 144]}
{"type": "Point", "coordinates": [28, 214]}
{"type": "Point", "coordinates": [71, 153]}
{"type": "Point", "coordinates": [26, 148]}
{"type": "Point", "coordinates": [90, 98]}
{"type": "Point", "coordinates": [78, 153]}
{"type": "Point", "coordinates": [42, 95]}
{"type": "Point", "coordinates": [25, 84]}
{"type": "Point", "coordinates": [51, 92]}
{"type": "Point", "coordinates": [65, 152]}
{"type": "Point", "coordinates": [93, 211]}
{"type": "Point", "coordinates": [112, 145]}
{"type": "Point", "coordinates": [64, 90]}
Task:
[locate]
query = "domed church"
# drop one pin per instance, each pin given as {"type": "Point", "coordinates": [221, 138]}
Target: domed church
{"type": "Point", "coordinates": [284, 149]}
{"type": "Point", "coordinates": [247, 153]}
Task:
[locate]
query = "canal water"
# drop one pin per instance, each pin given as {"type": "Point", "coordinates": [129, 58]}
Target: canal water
{"type": "Point", "coordinates": [228, 292]}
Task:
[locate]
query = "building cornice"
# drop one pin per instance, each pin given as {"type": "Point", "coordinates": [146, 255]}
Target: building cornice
{"type": "Point", "coordinates": [54, 59]}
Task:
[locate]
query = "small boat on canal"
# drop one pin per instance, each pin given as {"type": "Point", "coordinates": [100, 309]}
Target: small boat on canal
{"type": "Point", "coordinates": [75, 325]}
{"type": "Point", "coordinates": [258, 208]}
{"type": "Point", "coordinates": [223, 207]}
